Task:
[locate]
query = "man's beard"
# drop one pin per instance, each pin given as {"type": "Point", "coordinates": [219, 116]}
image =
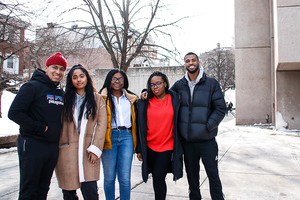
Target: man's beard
{"type": "Point", "coordinates": [192, 71]}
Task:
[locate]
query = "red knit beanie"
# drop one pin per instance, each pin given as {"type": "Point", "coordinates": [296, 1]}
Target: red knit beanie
{"type": "Point", "coordinates": [57, 59]}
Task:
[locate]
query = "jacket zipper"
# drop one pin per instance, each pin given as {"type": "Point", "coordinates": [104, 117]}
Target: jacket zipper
{"type": "Point", "coordinates": [190, 110]}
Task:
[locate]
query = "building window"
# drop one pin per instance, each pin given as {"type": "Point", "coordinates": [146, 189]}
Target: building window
{"type": "Point", "coordinates": [10, 63]}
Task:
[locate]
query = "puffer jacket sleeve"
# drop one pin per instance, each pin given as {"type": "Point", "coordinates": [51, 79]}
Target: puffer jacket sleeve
{"type": "Point", "coordinates": [174, 87]}
{"type": "Point", "coordinates": [218, 108]}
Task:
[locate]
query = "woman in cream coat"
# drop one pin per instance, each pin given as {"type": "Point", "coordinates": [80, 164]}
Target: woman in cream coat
{"type": "Point", "coordinates": [82, 137]}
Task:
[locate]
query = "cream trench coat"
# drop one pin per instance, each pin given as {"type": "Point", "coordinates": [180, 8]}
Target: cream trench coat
{"type": "Point", "coordinates": [73, 166]}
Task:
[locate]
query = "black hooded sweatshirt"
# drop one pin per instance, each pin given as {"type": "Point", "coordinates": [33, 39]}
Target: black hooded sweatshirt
{"type": "Point", "coordinates": [38, 104]}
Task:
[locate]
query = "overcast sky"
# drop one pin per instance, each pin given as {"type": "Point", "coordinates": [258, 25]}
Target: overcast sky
{"type": "Point", "coordinates": [211, 21]}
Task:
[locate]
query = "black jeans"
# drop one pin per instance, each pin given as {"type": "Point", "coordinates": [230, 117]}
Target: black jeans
{"type": "Point", "coordinates": [159, 164]}
{"type": "Point", "coordinates": [37, 160]}
{"type": "Point", "coordinates": [208, 151]}
{"type": "Point", "coordinates": [89, 191]}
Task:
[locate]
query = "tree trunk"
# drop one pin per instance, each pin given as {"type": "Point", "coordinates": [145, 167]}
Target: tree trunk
{"type": "Point", "coordinates": [1, 65]}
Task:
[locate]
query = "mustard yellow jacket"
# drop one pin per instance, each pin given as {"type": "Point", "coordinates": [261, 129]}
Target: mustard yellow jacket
{"type": "Point", "coordinates": [132, 99]}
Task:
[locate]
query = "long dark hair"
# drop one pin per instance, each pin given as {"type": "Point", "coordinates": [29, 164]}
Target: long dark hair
{"type": "Point", "coordinates": [164, 78]}
{"type": "Point", "coordinates": [70, 95]}
{"type": "Point", "coordinates": [107, 85]}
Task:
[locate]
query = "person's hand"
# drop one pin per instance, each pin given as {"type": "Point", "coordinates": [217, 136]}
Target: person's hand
{"type": "Point", "coordinates": [46, 128]}
{"type": "Point", "coordinates": [144, 95]}
{"type": "Point", "coordinates": [93, 158]}
{"type": "Point", "coordinates": [139, 156]}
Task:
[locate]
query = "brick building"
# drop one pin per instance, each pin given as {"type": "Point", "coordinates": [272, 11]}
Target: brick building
{"type": "Point", "coordinates": [13, 46]}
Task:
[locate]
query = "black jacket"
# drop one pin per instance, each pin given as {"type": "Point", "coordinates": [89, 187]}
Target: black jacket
{"type": "Point", "coordinates": [177, 160]}
{"type": "Point", "coordinates": [38, 104]}
{"type": "Point", "coordinates": [198, 120]}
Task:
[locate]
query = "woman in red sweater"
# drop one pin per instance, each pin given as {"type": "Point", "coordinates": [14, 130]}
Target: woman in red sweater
{"type": "Point", "coordinates": [159, 145]}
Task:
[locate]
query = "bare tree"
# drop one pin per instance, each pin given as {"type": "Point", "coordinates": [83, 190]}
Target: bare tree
{"type": "Point", "coordinates": [12, 43]}
{"type": "Point", "coordinates": [118, 27]}
{"type": "Point", "coordinates": [56, 38]}
{"type": "Point", "coordinates": [12, 32]}
{"type": "Point", "coordinates": [14, 19]}
{"type": "Point", "coordinates": [219, 64]}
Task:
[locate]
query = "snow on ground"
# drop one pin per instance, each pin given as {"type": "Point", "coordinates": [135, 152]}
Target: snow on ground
{"type": "Point", "coordinates": [229, 125]}
{"type": "Point", "coordinates": [7, 150]}
{"type": "Point", "coordinates": [8, 127]}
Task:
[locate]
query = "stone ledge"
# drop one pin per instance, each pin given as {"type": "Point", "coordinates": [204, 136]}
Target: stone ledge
{"type": "Point", "coordinates": [8, 141]}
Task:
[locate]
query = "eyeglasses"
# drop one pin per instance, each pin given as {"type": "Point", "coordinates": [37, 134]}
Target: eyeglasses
{"type": "Point", "coordinates": [158, 84]}
{"type": "Point", "coordinates": [114, 79]}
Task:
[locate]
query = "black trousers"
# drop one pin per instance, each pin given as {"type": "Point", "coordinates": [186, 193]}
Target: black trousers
{"type": "Point", "coordinates": [208, 152]}
{"type": "Point", "coordinates": [37, 160]}
{"type": "Point", "coordinates": [89, 191]}
{"type": "Point", "coordinates": [159, 164]}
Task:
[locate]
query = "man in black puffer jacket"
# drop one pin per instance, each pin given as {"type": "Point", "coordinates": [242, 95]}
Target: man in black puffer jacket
{"type": "Point", "coordinates": [201, 111]}
{"type": "Point", "coordinates": [37, 108]}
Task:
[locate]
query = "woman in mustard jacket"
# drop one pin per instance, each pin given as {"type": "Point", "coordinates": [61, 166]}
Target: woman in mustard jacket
{"type": "Point", "coordinates": [120, 139]}
{"type": "Point", "coordinates": [82, 137]}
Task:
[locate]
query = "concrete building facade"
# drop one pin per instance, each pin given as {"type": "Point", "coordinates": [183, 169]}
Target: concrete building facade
{"type": "Point", "coordinates": [137, 76]}
{"type": "Point", "coordinates": [267, 62]}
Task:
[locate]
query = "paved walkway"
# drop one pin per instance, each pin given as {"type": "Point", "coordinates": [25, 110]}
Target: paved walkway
{"type": "Point", "coordinates": [254, 163]}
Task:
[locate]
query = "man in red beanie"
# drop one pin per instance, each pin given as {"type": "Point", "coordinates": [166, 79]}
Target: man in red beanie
{"type": "Point", "coordinates": [37, 108]}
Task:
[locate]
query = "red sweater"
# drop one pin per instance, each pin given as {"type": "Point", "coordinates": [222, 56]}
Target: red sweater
{"type": "Point", "coordinates": [160, 115]}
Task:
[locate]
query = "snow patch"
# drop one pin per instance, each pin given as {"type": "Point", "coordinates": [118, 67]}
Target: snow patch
{"type": "Point", "coordinates": [4, 150]}
{"type": "Point", "coordinates": [8, 127]}
{"type": "Point", "coordinates": [281, 125]}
